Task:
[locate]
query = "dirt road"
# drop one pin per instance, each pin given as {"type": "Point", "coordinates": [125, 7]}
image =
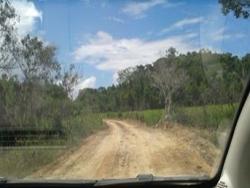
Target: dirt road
{"type": "Point", "coordinates": [126, 150]}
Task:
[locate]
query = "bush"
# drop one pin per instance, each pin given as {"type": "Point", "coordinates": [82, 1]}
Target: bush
{"type": "Point", "coordinates": [81, 126]}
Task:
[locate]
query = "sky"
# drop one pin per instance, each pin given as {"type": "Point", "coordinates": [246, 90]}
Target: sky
{"type": "Point", "coordinates": [102, 37]}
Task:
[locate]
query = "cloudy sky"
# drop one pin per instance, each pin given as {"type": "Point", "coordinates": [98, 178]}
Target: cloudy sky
{"type": "Point", "coordinates": [102, 37]}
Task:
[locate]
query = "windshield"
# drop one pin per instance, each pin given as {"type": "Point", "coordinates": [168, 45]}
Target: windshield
{"type": "Point", "coordinates": [93, 89]}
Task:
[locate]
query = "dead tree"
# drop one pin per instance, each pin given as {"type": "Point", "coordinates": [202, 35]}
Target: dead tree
{"type": "Point", "coordinates": [168, 77]}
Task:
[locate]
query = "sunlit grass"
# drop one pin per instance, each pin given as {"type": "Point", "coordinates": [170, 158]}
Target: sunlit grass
{"type": "Point", "coordinates": [208, 116]}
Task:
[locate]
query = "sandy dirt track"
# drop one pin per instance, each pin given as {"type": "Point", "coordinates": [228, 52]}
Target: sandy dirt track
{"type": "Point", "coordinates": [126, 150]}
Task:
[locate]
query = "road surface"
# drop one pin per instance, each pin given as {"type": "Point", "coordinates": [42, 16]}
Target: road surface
{"type": "Point", "coordinates": [125, 150]}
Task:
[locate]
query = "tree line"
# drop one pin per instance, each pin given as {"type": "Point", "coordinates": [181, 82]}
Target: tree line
{"type": "Point", "coordinates": [195, 78]}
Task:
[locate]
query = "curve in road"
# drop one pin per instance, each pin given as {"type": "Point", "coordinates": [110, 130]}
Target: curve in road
{"type": "Point", "coordinates": [126, 150]}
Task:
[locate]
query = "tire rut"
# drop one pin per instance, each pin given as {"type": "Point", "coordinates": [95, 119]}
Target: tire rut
{"type": "Point", "coordinates": [125, 150]}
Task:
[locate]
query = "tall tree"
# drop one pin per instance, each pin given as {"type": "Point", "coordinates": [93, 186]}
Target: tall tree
{"type": "Point", "coordinates": [38, 60]}
{"type": "Point", "coordinates": [8, 37]}
{"type": "Point", "coordinates": [168, 78]}
{"type": "Point", "coordinates": [69, 81]}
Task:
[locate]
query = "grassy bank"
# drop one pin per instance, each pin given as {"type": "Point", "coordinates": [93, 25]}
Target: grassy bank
{"type": "Point", "coordinates": [209, 116]}
{"type": "Point", "coordinates": [21, 162]}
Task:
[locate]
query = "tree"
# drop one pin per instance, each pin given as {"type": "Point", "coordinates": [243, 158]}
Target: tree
{"type": "Point", "coordinates": [69, 80]}
{"type": "Point", "coordinates": [241, 8]}
{"type": "Point", "coordinates": [125, 75]}
{"type": "Point", "coordinates": [38, 61]}
{"type": "Point", "coordinates": [168, 77]}
{"type": "Point", "coordinates": [235, 72]}
{"type": "Point", "coordinates": [8, 37]}
{"type": "Point", "coordinates": [245, 68]}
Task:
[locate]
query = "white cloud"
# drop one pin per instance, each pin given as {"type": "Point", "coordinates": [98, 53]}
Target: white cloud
{"type": "Point", "coordinates": [28, 15]}
{"type": "Point", "coordinates": [182, 23]}
{"type": "Point", "coordinates": [84, 83]}
{"type": "Point", "coordinates": [107, 53]}
{"type": "Point", "coordinates": [221, 34]}
{"type": "Point", "coordinates": [188, 21]}
{"type": "Point", "coordinates": [138, 8]}
{"type": "Point", "coordinates": [115, 19]}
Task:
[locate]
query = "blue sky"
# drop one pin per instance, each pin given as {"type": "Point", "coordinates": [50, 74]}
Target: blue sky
{"type": "Point", "coordinates": [102, 37]}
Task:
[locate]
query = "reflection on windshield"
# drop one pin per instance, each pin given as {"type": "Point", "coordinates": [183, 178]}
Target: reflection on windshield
{"type": "Point", "coordinates": [113, 90]}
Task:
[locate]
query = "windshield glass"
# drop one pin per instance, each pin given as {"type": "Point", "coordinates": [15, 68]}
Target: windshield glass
{"type": "Point", "coordinates": [93, 89]}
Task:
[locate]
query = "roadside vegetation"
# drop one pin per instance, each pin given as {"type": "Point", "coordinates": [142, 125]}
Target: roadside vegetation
{"type": "Point", "coordinates": [149, 117]}
{"type": "Point", "coordinates": [23, 161]}
{"type": "Point", "coordinates": [211, 116]}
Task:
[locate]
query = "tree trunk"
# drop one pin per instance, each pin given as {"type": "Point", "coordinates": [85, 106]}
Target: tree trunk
{"type": "Point", "coordinates": [168, 106]}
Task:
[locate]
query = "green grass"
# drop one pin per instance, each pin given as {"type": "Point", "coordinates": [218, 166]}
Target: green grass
{"type": "Point", "coordinates": [81, 126]}
{"type": "Point", "coordinates": [19, 163]}
{"type": "Point", "coordinates": [209, 116]}
{"type": "Point", "coordinates": [150, 117]}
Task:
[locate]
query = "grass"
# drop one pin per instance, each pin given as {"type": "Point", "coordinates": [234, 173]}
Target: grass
{"type": "Point", "coordinates": [81, 126]}
{"type": "Point", "coordinates": [150, 117]}
{"type": "Point", "coordinates": [209, 116]}
{"type": "Point", "coordinates": [19, 163]}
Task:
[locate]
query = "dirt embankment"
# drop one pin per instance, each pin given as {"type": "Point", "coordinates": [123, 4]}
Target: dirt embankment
{"type": "Point", "coordinates": [126, 150]}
